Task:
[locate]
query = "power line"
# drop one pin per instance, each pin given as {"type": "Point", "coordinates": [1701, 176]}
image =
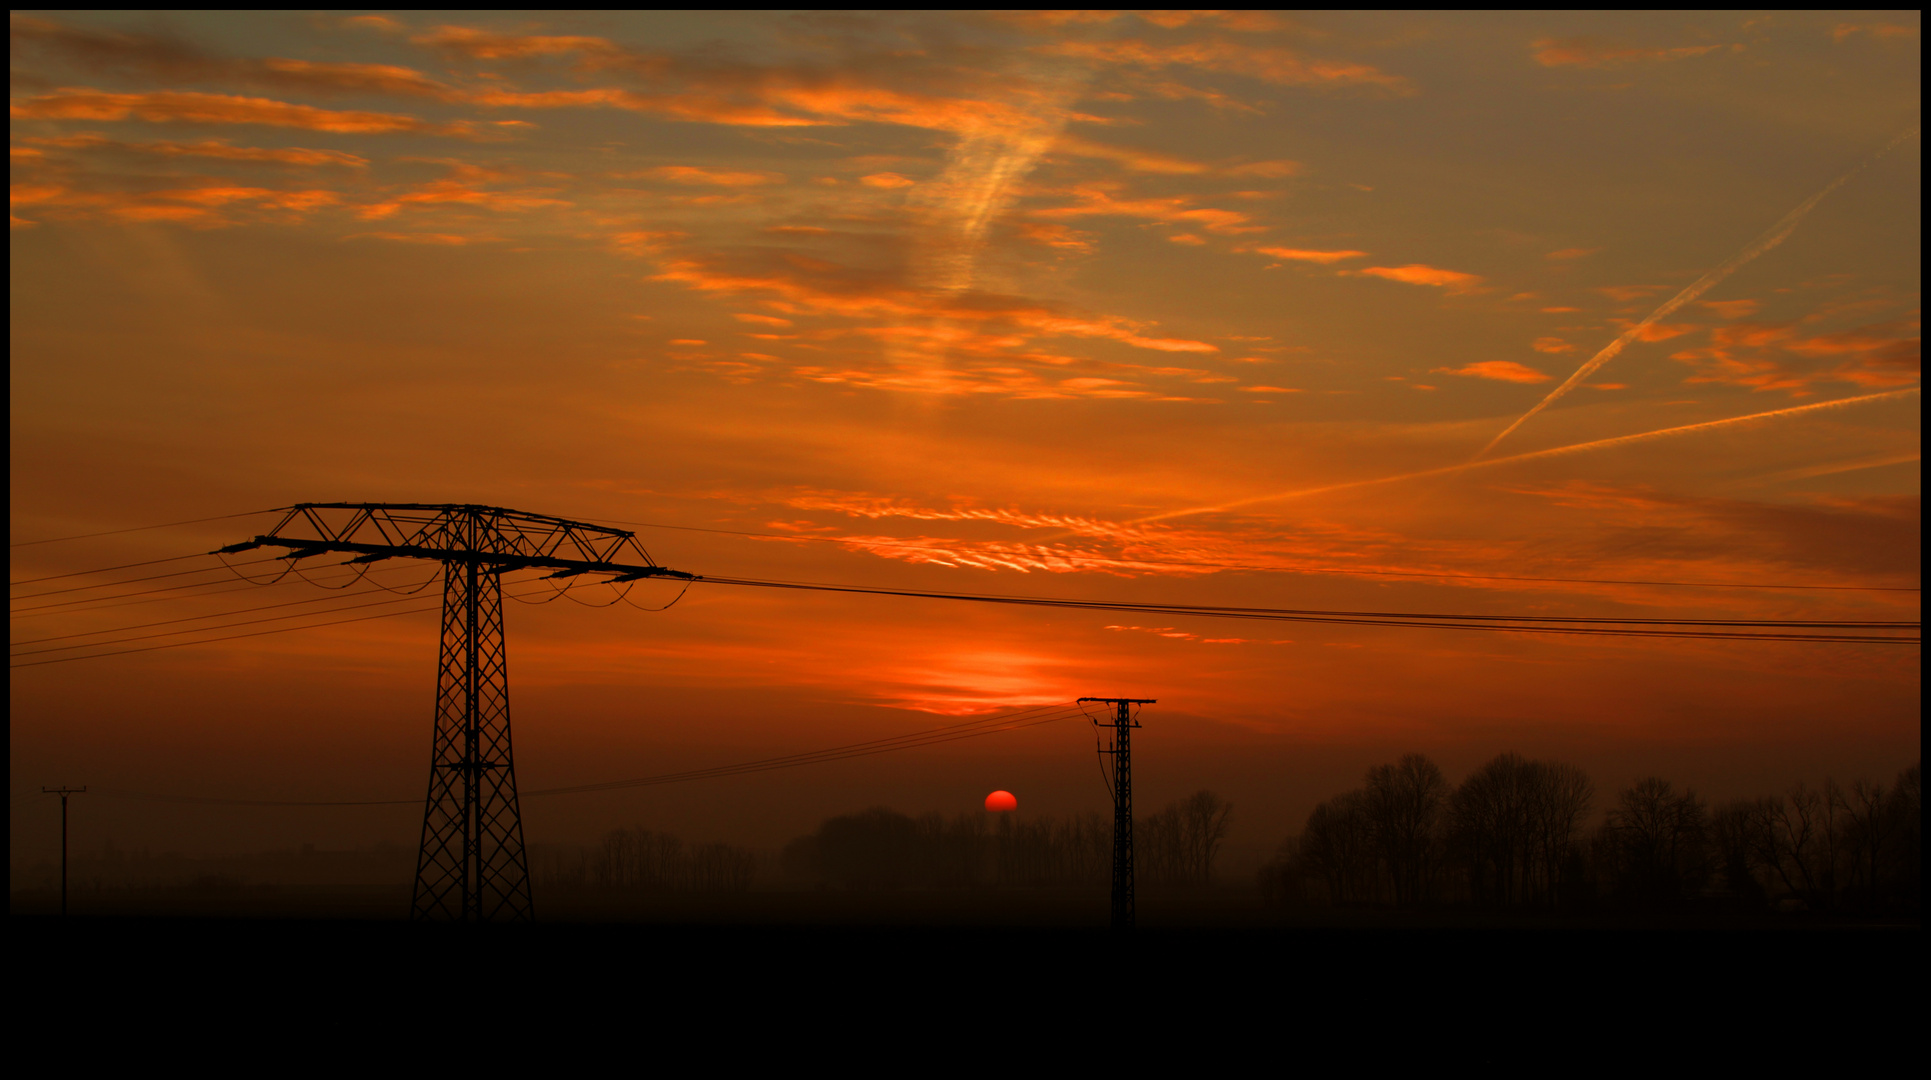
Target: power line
{"type": "Point", "coordinates": [1523, 624]}
{"type": "Point", "coordinates": [221, 615]}
{"type": "Point", "coordinates": [108, 569]}
{"type": "Point", "coordinates": [128, 581]}
{"type": "Point", "coordinates": [144, 528]}
{"type": "Point", "coordinates": [204, 629]}
{"type": "Point", "coordinates": [1582, 626]}
{"type": "Point", "coordinates": [123, 596]}
{"type": "Point", "coordinates": [100, 602]}
{"type": "Point", "coordinates": [1316, 571]}
{"type": "Point", "coordinates": [104, 606]}
{"type": "Point", "coordinates": [197, 618]}
{"type": "Point", "coordinates": [233, 637]}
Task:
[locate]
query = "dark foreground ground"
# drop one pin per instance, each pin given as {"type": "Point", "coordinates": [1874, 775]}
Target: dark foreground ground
{"type": "Point", "coordinates": [934, 982]}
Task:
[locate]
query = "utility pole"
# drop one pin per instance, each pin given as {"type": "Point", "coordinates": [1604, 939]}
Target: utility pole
{"type": "Point", "coordinates": [63, 792]}
{"type": "Point", "coordinates": [1122, 751]}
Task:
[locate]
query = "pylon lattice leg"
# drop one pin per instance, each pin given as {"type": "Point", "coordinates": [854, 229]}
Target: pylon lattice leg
{"type": "Point", "coordinates": [472, 866]}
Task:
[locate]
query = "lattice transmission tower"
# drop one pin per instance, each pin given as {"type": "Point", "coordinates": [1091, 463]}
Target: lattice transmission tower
{"type": "Point", "coordinates": [471, 866]}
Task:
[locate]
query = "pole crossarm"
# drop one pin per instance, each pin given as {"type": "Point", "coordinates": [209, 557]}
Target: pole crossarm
{"type": "Point", "coordinates": [502, 539]}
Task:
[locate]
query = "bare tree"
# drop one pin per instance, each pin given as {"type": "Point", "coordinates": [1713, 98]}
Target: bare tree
{"type": "Point", "coordinates": [1738, 835]}
{"type": "Point", "coordinates": [1404, 805]}
{"type": "Point", "coordinates": [1868, 827]}
{"type": "Point", "coordinates": [638, 858]}
{"type": "Point", "coordinates": [1280, 878]}
{"type": "Point", "coordinates": [1490, 819]}
{"type": "Point", "coordinates": [1204, 819]}
{"type": "Point", "coordinates": [1338, 845]}
{"type": "Point", "coordinates": [1514, 823]}
{"type": "Point", "coordinates": [1561, 802]}
{"type": "Point", "coordinates": [1907, 854]}
{"type": "Point", "coordinates": [1659, 840]}
{"type": "Point", "coordinates": [1795, 849]}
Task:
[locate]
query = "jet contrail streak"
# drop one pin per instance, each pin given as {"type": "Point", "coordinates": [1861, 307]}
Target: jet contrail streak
{"type": "Point", "coordinates": [1596, 444]}
{"type": "Point", "coordinates": [1777, 234]}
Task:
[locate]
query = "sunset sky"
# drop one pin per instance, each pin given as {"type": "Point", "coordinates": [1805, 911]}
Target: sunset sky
{"type": "Point", "coordinates": [1161, 307]}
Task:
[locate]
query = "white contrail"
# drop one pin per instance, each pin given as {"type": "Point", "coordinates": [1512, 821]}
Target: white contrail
{"type": "Point", "coordinates": [1594, 444]}
{"type": "Point", "coordinates": [980, 179]}
{"type": "Point", "coordinates": [982, 175]}
{"type": "Point", "coordinates": [1776, 235]}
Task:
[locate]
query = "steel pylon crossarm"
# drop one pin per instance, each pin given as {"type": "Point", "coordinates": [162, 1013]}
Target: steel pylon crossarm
{"type": "Point", "coordinates": [459, 532]}
{"type": "Point", "coordinates": [472, 865]}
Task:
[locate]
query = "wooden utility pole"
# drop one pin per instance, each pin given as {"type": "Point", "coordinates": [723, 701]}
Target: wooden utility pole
{"type": "Point", "coordinates": [63, 792]}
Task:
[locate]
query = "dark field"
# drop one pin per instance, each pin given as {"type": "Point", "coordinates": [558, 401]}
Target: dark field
{"type": "Point", "coordinates": [1221, 908]}
{"type": "Point", "coordinates": [1212, 979]}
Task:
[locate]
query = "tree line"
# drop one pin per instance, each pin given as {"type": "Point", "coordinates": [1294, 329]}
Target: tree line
{"type": "Point", "coordinates": [881, 848]}
{"type": "Point", "coordinates": [639, 859]}
{"type": "Point", "coordinates": [1513, 834]}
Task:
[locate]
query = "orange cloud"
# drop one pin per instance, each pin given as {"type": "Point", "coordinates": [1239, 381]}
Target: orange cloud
{"type": "Point", "coordinates": [692, 174]}
{"type": "Point", "coordinates": [464, 188]}
{"type": "Point", "coordinates": [694, 106]}
{"type": "Point", "coordinates": [886, 180]}
{"type": "Point", "coordinates": [910, 311]}
{"type": "Point", "coordinates": [1248, 21]}
{"type": "Point", "coordinates": [1499, 370]}
{"type": "Point", "coordinates": [1732, 309]}
{"type": "Point", "coordinates": [1273, 65]}
{"type": "Point", "coordinates": [349, 78]}
{"type": "Point", "coordinates": [1145, 161]}
{"type": "Point", "coordinates": [1552, 345]}
{"type": "Point", "coordinates": [1063, 237]}
{"type": "Point", "coordinates": [1417, 274]}
{"type": "Point", "coordinates": [1623, 294]}
{"type": "Point", "coordinates": [212, 148]}
{"type": "Point", "coordinates": [1148, 161]}
{"type": "Point", "coordinates": [1876, 30]}
{"type": "Point", "coordinates": [177, 106]}
{"type": "Point", "coordinates": [1571, 253]}
{"type": "Point", "coordinates": [1658, 331]}
{"type": "Point", "coordinates": [1273, 169]}
{"type": "Point", "coordinates": [1303, 255]}
{"type": "Point", "coordinates": [440, 239]}
{"type": "Point", "coordinates": [1592, 53]}
{"type": "Point", "coordinates": [1096, 201]}
{"type": "Point", "coordinates": [486, 45]}
{"type": "Point", "coordinates": [199, 205]}
{"type": "Point", "coordinates": [1880, 355]}
{"type": "Point", "coordinates": [374, 22]}
{"type": "Point", "coordinates": [169, 59]}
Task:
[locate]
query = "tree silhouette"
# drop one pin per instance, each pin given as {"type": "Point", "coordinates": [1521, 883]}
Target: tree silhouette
{"type": "Point", "coordinates": [1337, 845]}
{"type": "Point", "coordinates": [1404, 807]}
{"type": "Point", "coordinates": [1656, 840]}
{"type": "Point", "coordinates": [1513, 824]}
